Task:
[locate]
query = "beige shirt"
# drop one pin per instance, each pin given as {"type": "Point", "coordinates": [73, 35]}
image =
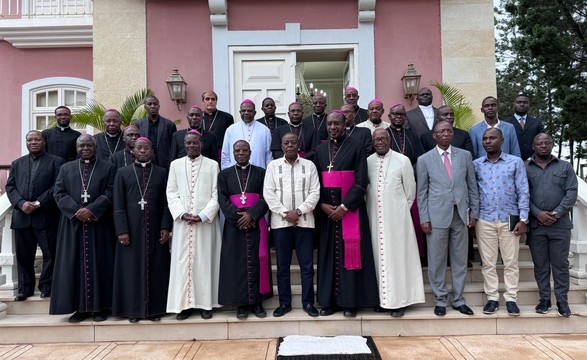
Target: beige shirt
{"type": "Point", "coordinates": [289, 188]}
{"type": "Point", "coordinates": [372, 127]}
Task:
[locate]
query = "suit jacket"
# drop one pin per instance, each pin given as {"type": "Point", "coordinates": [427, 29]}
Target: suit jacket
{"type": "Point", "coordinates": [532, 127]}
{"type": "Point", "coordinates": [20, 189]}
{"type": "Point", "coordinates": [438, 194]}
{"type": "Point", "coordinates": [461, 139]}
{"type": "Point", "coordinates": [165, 132]}
{"type": "Point", "coordinates": [310, 139]}
{"type": "Point", "coordinates": [417, 122]}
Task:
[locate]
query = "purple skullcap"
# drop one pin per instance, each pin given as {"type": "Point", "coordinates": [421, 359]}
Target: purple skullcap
{"type": "Point", "coordinates": [248, 101]}
{"type": "Point", "coordinates": [195, 107]}
{"type": "Point", "coordinates": [142, 138]}
{"type": "Point", "coordinates": [394, 105]}
{"type": "Point", "coordinates": [351, 88]}
{"type": "Point", "coordinates": [376, 101]}
{"type": "Point", "coordinates": [295, 103]}
{"type": "Point", "coordinates": [194, 131]}
{"type": "Point", "coordinates": [336, 111]}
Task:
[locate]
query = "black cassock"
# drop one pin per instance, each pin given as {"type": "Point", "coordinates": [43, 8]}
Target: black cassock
{"type": "Point", "coordinates": [239, 257]}
{"type": "Point", "coordinates": [141, 269]}
{"type": "Point", "coordinates": [107, 146]}
{"type": "Point", "coordinates": [61, 142]}
{"type": "Point", "coordinates": [82, 278]}
{"type": "Point", "coordinates": [337, 285]}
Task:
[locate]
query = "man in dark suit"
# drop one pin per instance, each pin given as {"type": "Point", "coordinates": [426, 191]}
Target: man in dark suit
{"type": "Point", "coordinates": [461, 138]}
{"type": "Point", "coordinates": [307, 137]}
{"type": "Point", "coordinates": [209, 144]}
{"type": "Point", "coordinates": [423, 118]}
{"type": "Point", "coordinates": [359, 133]}
{"type": "Point", "coordinates": [35, 216]}
{"type": "Point", "coordinates": [527, 127]}
{"type": "Point", "coordinates": [157, 129]}
{"type": "Point", "coordinates": [448, 202]}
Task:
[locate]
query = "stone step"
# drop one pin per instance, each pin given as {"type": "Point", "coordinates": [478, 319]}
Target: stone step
{"type": "Point", "coordinates": [527, 295]}
{"type": "Point", "coordinates": [418, 321]}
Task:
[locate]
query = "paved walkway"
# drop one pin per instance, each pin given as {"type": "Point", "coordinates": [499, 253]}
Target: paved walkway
{"type": "Point", "coordinates": [524, 347]}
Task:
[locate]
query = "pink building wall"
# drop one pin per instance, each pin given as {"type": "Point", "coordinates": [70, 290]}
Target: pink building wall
{"type": "Point", "coordinates": [19, 66]}
{"type": "Point", "coordinates": [179, 35]}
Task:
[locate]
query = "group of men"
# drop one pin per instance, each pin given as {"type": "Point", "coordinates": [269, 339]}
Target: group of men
{"type": "Point", "coordinates": [149, 220]}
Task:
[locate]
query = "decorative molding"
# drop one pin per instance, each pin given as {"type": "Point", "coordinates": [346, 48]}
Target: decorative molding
{"type": "Point", "coordinates": [48, 32]}
{"type": "Point", "coordinates": [218, 13]}
{"type": "Point", "coordinates": [367, 11]}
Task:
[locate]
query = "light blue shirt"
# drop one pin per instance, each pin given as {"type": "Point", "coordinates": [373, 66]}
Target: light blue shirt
{"type": "Point", "coordinates": [503, 188]}
{"type": "Point", "coordinates": [510, 140]}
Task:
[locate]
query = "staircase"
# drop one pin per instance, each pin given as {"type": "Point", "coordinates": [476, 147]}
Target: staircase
{"type": "Point", "coordinates": [28, 322]}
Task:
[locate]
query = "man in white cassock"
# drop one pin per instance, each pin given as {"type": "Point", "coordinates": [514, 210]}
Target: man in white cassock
{"type": "Point", "coordinates": [390, 195]}
{"type": "Point", "coordinates": [195, 247]}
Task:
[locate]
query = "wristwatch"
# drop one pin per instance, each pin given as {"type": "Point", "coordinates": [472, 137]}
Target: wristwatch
{"type": "Point", "coordinates": [299, 212]}
{"type": "Point", "coordinates": [37, 203]}
{"type": "Point", "coordinates": [525, 221]}
{"type": "Point", "coordinates": [344, 207]}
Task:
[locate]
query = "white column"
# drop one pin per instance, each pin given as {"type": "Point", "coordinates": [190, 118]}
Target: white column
{"type": "Point", "coordinates": [578, 271]}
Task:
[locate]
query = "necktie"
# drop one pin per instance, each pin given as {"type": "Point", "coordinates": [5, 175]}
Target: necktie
{"type": "Point", "coordinates": [522, 121]}
{"type": "Point", "coordinates": [447, 165]}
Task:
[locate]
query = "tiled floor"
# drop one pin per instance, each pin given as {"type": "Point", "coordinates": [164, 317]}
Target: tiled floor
{"type": "Point", "coordinates": [524, 347]}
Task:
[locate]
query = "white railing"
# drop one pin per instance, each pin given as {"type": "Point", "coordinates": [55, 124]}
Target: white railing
{"type": "Point", "coordinates": [578, 271]}
{"type": "Point", "coordinates": [8, 272]}
{"type": "Point", "coordinates": [44, 8]}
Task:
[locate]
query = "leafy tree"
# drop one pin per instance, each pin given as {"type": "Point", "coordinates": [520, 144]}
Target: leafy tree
{"type": "Point", "coordinates": [452, 96]}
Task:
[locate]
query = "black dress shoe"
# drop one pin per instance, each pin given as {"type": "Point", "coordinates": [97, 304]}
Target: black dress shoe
{"type": "Point", "coordinates": [464, 309]}
{"type": "Point", "coordinates": [206, 314]}
{"type": "Point", "coordinates": [100, 316]}
{"type": "Point", "coordinates": [281, 310]}
{"type": "Point", "coordinates": [398, 312]}
{"type": "Point", "coordinates": [440, 310]}
{"type": "Point", "coordinates": [78, 317]}
{"type": "Point", "coordinates": [242, 312]}
{"type": "Point", "coordinates": [350, 312]}
{"type": "Point", "coordinates": [45, 294]}
{"type": "Point", "coordinates": [133, 320]}
{"type": "Point", "coordinates": [184, 314]}
{"type": "Point", "coordinates": [328, 310]}
{"type": "Point", "coordinates": [491, 307]}
{"type": "Point", "coordinates": [21, 297]}
{"type": "Point", "coordinates": [311, 310]}
{"type": "Point", "coordinates": [260, 311]}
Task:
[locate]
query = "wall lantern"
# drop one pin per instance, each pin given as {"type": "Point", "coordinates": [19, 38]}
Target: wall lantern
{"type": "Point", "coordinates": [411, 82]}
{"type": "Point", "coordinates": [176, 86]}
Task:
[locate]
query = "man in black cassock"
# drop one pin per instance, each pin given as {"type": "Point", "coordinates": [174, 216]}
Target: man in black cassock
{"type": "Point", "coordinates": [317, 121]}
{"type": "Point", "coordinates": [209, 145]}
{"type": "Point", "coordinates": [346, 270]}
{"type": "Point", "coordinates": [126, 157]}
{"type": "Point", "coordinates": [216, 121]}
{"type": "Point", "coordinates": [35, 216]}
{"type": "Point", "coordinates": [109, 141]}
{"type": "Point", "coordinates": [82, 278]}
{"type": "Point", "coordinates": [360, 133]}
{"type": "Point", "coordinates": [143, 223]}
{"type": "Point", "coordinates": [270, 120]}
{"type": "Point", "coordinates": [159, 130]}
{"type": "Point", "coordinates": [245, 267]}
{"type": "Point", "coordinates": [307, 138]}
{"type": "Point", "coordinates": [60, 140]}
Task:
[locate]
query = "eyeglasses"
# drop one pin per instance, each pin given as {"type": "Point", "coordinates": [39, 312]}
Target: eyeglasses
{"type": "Point", "coordinates": [543, 143]}
{"type": "Point", "coordinates": [396, 114]}
{"type": "Point", "coordinates": [380, 140]}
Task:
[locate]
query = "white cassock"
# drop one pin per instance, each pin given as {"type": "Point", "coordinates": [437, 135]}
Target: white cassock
{"type": "Point", "coordinates": [195, 249]}
{"type": "Point", "coordinates": [390, 195]}
{"type": "Point", "coordinates": [256, 134]}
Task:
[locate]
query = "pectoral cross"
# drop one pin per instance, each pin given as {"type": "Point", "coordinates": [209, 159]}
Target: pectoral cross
{"type": "Point", "coordinates": [243, 198]}
{"type": "Point", "coordinates": [142, 203]}
{"type": "Point", "coordinates": [329, 167]}
{"type": "Point", "coordinates": [85, 196]}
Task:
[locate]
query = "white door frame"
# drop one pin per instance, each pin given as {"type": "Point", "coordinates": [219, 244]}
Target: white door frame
{"type": "Point", "coordinates": [360, 39]}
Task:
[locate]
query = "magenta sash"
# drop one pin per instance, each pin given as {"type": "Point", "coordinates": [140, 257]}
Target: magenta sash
{"type": "Point", "coordinates": [263, 243]}
{"type": "Point", "coordinates": [351, 234]}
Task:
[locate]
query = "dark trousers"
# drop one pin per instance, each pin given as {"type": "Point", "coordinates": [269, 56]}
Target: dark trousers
{"type": "Point", "coordinates": [26, 241]}
{"type": "Point", "coordinates": [284, 240]}
{"type": "Point", "coordinates": [549, 247]}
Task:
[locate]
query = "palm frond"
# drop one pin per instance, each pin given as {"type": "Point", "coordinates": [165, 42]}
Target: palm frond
{"type": "Point", "coordinates": [132, 107]}
{"type": "Point", "coordinates": [452, 96]}
{"type": "Point", "coordinates": [90, 115]}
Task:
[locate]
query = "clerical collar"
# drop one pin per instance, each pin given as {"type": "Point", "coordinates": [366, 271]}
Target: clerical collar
{"type": "Point", "coordinates": [384, 155]}
{"type": "Point", "coordinates": [37, 156]}
{"type": "Point", "coordinates": [243, 167]}
{"type": "Point", "coordinates": [143, 164]}
{"type": "Point", "coordinates": [320, 115]}
{"type": "Point", "coordinates": [350, 127]}
{"type": "Point", "coordinates": [63, 128]}
{"type": "Point", "coordinates": [340, 139]}
{"type": "Point", "coordinates": [113, 136]}
{"type": "Point", "coordinates": [87, 161]}
{"type": "Point", "coordinates": [296, 126]}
